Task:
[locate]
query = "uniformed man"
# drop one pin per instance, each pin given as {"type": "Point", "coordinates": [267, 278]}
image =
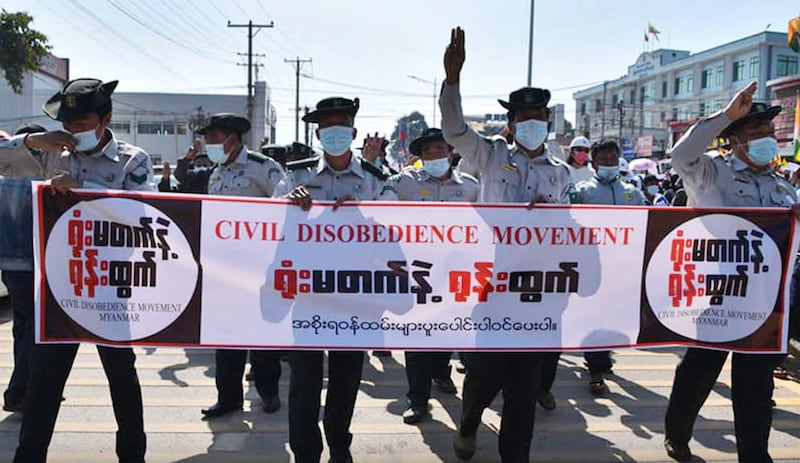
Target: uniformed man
{"type": "Point", "coordinates": [339, 175]}
{"type": "Point", "coordinates": [240, 172]}
{"type": "Point", "coordinates": [435, 181]}
{"type": "Point", "coordinates": [744, 178]}
{"type": "Point", "coordinates": [605, 187]}
{"type": "Point", "coordinates": [524, 173]}
{"type": "Point", "coordinates": [85, 154]}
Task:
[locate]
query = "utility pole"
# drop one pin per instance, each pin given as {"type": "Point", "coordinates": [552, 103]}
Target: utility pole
{"type": "Point", "coordinates": [530, 47]}
{"type": "Point", "coordinates": [297, 63]}
{"type": "Point", "coordinates": [250, 35]}
{"type": "Point", "coordinates": [432, 84]}
{"type": "Point", "coordinates": [603, 111]}
{"type": "Point", "coordinates": [307, 127]}
{"type": "Point", "coordinates": [621, 109]}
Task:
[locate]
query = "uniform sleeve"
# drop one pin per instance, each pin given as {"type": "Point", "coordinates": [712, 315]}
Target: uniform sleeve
{"type": "Point", "coordinates": [688, 155]}
{"type": "Point", "coordinates": [16, 159]}
{"type": "Point", "coordinates": [139, 174]}
{"type": "Point", "coordinates": [274, 176]}
{"type": "Point", "coordinates": [471, 146]}
{"type": "Point", "coordinates": [387, 191]}
{"type": "Point", "coordinates": [284, 186]}
{"type": "Point", "coordinates": [566, 183]}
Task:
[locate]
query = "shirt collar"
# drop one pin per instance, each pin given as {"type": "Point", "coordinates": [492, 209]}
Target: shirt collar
{"type": "Point", "coordinates": [111, 149]}
{"type": "Point", "coordinates": [545, 157]}
{"type": "Point", "coordinates": [739, 165]}
{"type": "Point", "coordinates": [354, 166]}
{"type": "Point", "coordinates": [242, 157]}
{"type": "Point", "coordinates": [424, 175]}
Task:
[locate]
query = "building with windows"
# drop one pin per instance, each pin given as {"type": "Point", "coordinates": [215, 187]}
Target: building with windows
{"type": "Point", "coordinates": [162, 123]}
{"type": "Point", "coordinates": [665, 91]}
{"type": "Point", "coordinates": [17, 109]}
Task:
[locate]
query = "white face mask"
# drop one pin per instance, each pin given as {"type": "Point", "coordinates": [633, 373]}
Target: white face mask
{"type": "Point", "coordinates": [531, 133]}
{"type": "Point", "coordinates": [336, 139]}
{"type": "Point", "coordinates": [216, 151]}
{"type": "Point", "coordinates": [87, 140]}
{"type": "Point", "coordinates": [436, 167]}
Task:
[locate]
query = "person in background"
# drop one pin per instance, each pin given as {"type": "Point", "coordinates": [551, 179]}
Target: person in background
{"type": "Point", "coordinates": [578, 160]}
{"type": "Point", "coordinates": [652, 192]}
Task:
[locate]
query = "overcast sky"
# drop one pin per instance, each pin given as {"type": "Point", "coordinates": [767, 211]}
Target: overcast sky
{"type": "Point", "coordinates": [369, 48]}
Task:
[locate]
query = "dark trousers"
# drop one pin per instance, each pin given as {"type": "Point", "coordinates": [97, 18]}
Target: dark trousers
{"type": "Point", "coordinates": [230, 369]}
{"type": "Point", "coordinates": [421, 368]}
{"type": "Point", "coordinates": [518, 375]}
{"type": "Point", "coordinates": [20, 289]}
{"type": "Point", "coordinates": [751, 389]}
{"type": "Point", "coordinates": [598, 362]}
{"type": "Point", "coordinates": [549, 367]}
{"type": "Point", "coordinates": [50, 367]}
{"type": "Point", "coordinates": [344, 378]}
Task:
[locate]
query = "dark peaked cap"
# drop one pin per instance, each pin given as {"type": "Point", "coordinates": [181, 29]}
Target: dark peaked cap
{"type": "Point", "coordinates": [333, 105]}
{"type": "Point", "coordinates": [526, 97]}
{"type": "Point", "coordinates": [757, 111]}
{"type": "Point", "coordinates": [225, 121]}
{"type": "Point", "coordinates": [78, 98]}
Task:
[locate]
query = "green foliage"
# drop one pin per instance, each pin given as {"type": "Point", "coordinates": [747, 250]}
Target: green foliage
{"type": "Point", "coordinates": [20, 47]}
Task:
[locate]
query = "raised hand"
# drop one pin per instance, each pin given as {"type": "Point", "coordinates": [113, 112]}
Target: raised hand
{"type": "Point", "coordinates": [373, 147]}
{"type": "Point", "coordinates": [741, 102]}
{"type": "Point", "coordinates": [454, 56]}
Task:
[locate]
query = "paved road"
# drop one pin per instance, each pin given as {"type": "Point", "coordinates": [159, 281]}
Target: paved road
{"type": "Point", "coordinates": [624, 425]}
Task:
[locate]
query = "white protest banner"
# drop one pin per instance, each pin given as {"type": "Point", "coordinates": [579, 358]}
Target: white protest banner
{"type": "Point", "coordinates": [156, 269]}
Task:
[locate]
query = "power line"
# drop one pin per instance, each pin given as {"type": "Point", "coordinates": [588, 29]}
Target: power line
{"type": "Point", "coordinates": [100, 21]}
{"type": "Point", "coordinates": [250, 35]}
{"type": "Point", "coordinates": [297, 63]}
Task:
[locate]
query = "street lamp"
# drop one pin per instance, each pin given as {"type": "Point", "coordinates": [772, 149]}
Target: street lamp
{"type": "Point", "coordinates": [433, 84]}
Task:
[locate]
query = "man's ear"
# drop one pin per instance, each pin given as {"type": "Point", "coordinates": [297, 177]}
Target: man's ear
{"type": "Point", "coordinates": [316, 132]}
{"type": "Point", "coordinates": [355, 133]}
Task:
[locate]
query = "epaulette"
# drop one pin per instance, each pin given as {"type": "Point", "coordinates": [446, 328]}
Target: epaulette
{"type": "Point", "coordinates": [303, 164]}
{"type": "Point", "coordinates": [256, 157]}
{"type": "Point", "coordinates": [373, 169]}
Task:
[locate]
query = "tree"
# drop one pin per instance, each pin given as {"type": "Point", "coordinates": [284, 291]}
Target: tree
{"type": "Point", "coordinates": [569, 131]}
{"type": "Point", "coordinates": [412, 126]}
{"type": "Point", "coordinates": [21, 47]}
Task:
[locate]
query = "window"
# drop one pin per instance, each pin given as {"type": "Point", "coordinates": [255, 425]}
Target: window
{"type": "Point", "coordinates": [787, 65]}
{"type": "Point", "coordinates": [738, 70]}
{"type": "Point", "coordinates": [664, 89]}
{"type": "Point", "coordinates": [182, 128]}
{"type": "Point", "coordinates": [633, 96]}
{"type": "Point", "coordinates": [690, 83]}
{"type": "Point", "coordinates": [684, 84]}
{"type": "Point", "coordinates": [157, 128]}
{"type": "Point", "coordinates": [583, 108]}
{"type": "Point", "coordinates": [598, 105]}
{"type": "Point", "coordinates": [702, 111]}
{"type": "Point", "coordinates": [614, 100]}
{"type": "Point", "coordinates": [707, 78]}
{"type": "Point", "coordinates": [674, 113]}
{"type": "Point", "coordinates": [120, 127]}
{"type": "Point", "coordinates": [649, 90]}
{"type": "Point", "coordinates": [678, 81]}
{"type": "Point", "coordinates": [720, 75]}
{"type": "Point", "coordinates": [754, 67]}
{"type": "Point", "coordinates": [663, 116]}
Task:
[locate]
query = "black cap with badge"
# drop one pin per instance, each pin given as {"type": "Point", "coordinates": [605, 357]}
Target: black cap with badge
{"type": "Point", "coordinates": [225, 121]}
{"type": "Point", "coordinates": [757, 111]}
{"type": "Point", "coordinates": [333, 105]}
{"type": "Point", "coordinates": [526, 97]}
{"type": "Point", "coordinates": [78, 98]}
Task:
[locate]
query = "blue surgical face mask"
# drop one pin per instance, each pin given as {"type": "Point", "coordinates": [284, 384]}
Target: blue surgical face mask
{"type": "Point", "coordinates": [436, 167]}
{"type": "Point", "coordinates": [607, 173]}
{"type": "Point", "coordinates": [87, 140]}
{"type": "Point", "coordinates": [336, 139]}
{"type": "Point", "coordinates": [216, 152]}
{"type": "Point", "coordinates": [653, 190]}
{"type": "Point", "coordinates": [762, 150]}
{"type": "Point", "coordinates": [531, 133]}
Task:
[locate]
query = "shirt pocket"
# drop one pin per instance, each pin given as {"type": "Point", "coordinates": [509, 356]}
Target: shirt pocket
{"type": "Point", "coordinates": [508, 183]}
{"type": "Point", "coordinates": [780, 198]}
{"type": "Point", "coordinates": [743, 193]}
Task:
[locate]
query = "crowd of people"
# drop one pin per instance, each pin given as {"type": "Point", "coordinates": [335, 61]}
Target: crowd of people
{"type": "Point", "coordinates": [455, 163]}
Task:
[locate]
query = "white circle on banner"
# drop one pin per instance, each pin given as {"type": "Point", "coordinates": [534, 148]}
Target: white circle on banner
{"type": "Point", "coordinates": [714, 278]}
{"type": "Point", "coordinates": [120, 268]}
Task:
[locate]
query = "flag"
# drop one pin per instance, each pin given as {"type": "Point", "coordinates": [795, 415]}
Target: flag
{"type": "Point", "coordinates": [797, 127]}
{"type": "Point", "coordinates": [794, 36]}
{"type": "Point", "coordinates": [651, 29]}
{"type": "Point", "coordinates": [402, 137]}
